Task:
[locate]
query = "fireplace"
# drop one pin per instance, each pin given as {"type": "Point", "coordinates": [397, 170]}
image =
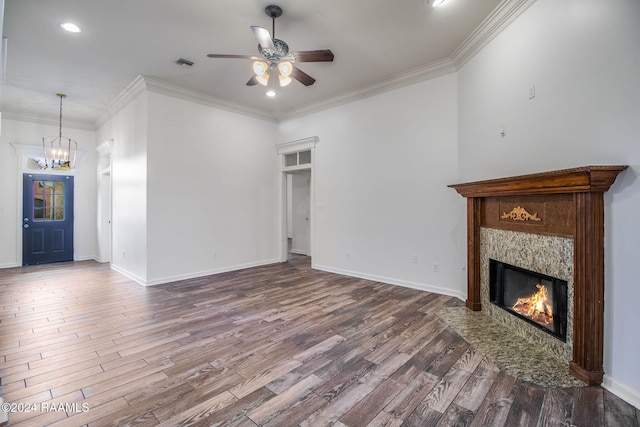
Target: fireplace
{"type": "Point", "coordinates": [562, 204]}
{"type": "Point", "coordinates": [534, 297]}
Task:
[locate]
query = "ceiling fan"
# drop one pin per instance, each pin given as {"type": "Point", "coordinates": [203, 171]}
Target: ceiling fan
{"type": "Point", "coordinates": [276, 62]}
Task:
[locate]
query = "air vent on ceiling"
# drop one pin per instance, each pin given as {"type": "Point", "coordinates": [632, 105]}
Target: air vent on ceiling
{"type": "Point", "coordinates": [183, 62]}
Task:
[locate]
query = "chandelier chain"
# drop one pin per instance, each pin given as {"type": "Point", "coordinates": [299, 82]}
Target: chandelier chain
{"type": "Point", "coordinates": [61, 95]}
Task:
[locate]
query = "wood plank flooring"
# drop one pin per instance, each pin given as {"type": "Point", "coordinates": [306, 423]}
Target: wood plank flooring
{"type": "Point", "coordinates": [280, 345]}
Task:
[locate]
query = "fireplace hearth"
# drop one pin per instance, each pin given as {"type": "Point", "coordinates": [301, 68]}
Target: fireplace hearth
{"type": "Point", "coordinates": [534, 297]}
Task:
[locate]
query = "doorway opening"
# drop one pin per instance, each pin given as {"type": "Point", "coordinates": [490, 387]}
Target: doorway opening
{"type": "Point", "coordinates": [297, 198]}
{"type": "Point", "coordinates": [298, 213]}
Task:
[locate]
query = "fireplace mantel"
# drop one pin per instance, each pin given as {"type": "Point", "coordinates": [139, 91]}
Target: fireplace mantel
{"type": "Point", "coordinates": [568, 202]}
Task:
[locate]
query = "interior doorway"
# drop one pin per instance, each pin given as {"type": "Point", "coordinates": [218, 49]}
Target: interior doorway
{"type": "Point", "coordinates": [297, 160]}
{"type": "Point", "coordinates": [299, 212]}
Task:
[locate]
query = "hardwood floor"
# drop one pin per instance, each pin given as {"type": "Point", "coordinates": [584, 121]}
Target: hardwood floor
{"type": "Point", "coordinates": [280, 345]}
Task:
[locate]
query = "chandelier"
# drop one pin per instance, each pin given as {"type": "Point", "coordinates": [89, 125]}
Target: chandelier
{"type": "Point", "coordinates": [59, 151]}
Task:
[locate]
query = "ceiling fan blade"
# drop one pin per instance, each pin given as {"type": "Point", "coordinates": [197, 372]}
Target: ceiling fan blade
{"type": "Point", "coordinates": [252, 81]}
{"type": "Point", "coordinates": [224, 55]}
{"type": "Point", "coordinates": [322, 55]}
{"type": "Point", "coordinates": [302, 77]}
{"type": "Point", "coordinates": [264, 38]}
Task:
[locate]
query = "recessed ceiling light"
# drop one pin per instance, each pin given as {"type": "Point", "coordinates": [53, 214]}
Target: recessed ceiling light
{"type": "Point", "coordinates": [271, 93]}
{"type": "Point", "coordinates": [70, 27]}
{"type": "Point", "coordinates": [436, 3]}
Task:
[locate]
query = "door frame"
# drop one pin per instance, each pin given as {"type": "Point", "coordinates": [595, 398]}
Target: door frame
{"type": "Point", "coordinates": [24, 153]}
{"type": "Point", "coordinates": [105, 213]}
{"type": "Point", "coordinates": [305, 144]}
{"type": "Point", "coordinates": [290, 198]}
{"type": "Point", "coordinates": [30, 223]}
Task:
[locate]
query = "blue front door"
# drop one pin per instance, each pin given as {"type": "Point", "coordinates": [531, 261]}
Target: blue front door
{"type": "Point", "coordinates": [47, 219]}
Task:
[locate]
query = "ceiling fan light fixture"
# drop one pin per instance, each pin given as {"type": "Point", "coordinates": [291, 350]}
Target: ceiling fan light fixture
{"type": "Point", "coordinates": [285, 68]}
{"type": "Point", "coordinates": [260, 68]}
{"type": "Point", "coordinates": [263, 79]}
{"type": "Point", "coordinates": [284, 80]}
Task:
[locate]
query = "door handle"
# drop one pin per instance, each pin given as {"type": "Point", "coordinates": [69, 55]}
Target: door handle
{"type": "Point", "coordinates": [26, 226]}
{"type": "Point", "coordinates": [26, 220]}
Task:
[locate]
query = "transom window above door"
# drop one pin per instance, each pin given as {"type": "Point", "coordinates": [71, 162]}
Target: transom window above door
{"type": "Point", "coordinates": [298, 158]}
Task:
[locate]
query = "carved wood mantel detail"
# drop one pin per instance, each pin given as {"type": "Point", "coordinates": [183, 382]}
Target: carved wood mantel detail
{"type": "Point", "coordinates": [520, 214]}
{"type": "Point", "coordinates": [573, 201]}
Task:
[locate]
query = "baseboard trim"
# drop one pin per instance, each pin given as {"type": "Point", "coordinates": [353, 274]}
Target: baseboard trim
{"type": "Point", "coordinates": [393, 281]}
{"type": "Point", "coordinates": [9, 265]}
{"type": "Point", "coordinates": [128, 274]}
{"type": "Point", "coordinates": [178, 277]}
{"type": "Point", "coordinates": [623, 391]}
{"type": "Point", "coordinates": [299, 252]}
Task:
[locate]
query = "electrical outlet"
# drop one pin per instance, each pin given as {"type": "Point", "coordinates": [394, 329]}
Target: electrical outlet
{"type": "Point", "coordinates": [414, 259]}
{"type": "Point", "coordinates": [347, 255]}
{"type": "Point", "coordinates": [214, 255]}
{"type": "Point", "coordinates": [435, 268]}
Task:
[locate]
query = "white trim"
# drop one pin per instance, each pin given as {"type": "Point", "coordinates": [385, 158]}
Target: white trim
{"type": "Point", "coordinates": [164, 88]}
{"type": "Point", "coordinates": [129, 275]}
{"type": "Point", "coordinates": [9, 265]}
{"type": "Point", "coordinates": [297, 145]}
{"type": "Point", "coordinates": [623, 391]}
{"type": "Point", "coordinates": [282, 149]}
{"type": "Point", "coordinates": [393, 281]}
{"type": "Point", "coordinates": [299, 252]}
{"type": "Point", "coordinates": [494, 24]}
{"type": "Point", "coordinates": [504, 14]}
{"type": "Point", "coordinates": [68, 123]}
{"type": "Point", "coordinates": [431, 71]}
{"type": "Point", "coordinates": [24, 151]}
{"type": "Point", "coordinates": [186, 276]}
{"type": "Point", "coordinates": [136, 87]}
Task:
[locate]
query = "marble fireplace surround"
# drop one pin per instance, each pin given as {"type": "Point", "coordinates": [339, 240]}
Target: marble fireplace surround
{"type": "Point", "coordinates": [549, 255]}
{"type": "Point", "coordinates": [555, 214]}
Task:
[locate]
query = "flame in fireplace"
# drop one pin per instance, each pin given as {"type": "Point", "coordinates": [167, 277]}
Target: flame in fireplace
{"type": "Point", "coordinates": [537, 307]}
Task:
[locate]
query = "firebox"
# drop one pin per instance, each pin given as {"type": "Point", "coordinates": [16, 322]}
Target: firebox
{"type": "Point", "coordinates": [537, 298]}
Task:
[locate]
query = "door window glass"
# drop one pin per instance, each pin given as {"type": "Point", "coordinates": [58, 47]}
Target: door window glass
{"type": "Point", "coordinates": [48, 201]}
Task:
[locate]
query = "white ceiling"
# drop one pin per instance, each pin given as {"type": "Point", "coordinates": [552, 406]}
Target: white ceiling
{"type": "Point", "coordinates": [374, 42]}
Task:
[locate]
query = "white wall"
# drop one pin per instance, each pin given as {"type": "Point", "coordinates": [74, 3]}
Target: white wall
{"type": "Point", "coordinates": [583, 57]}
{"type": "Point", "coordinates": [31, 133]}
{"type": "Point", "coordinates": [382, 166]}
{"type": "Point", "coordinates": [128, 129]}
{"type": "Point", "coordinates": [212, 190]}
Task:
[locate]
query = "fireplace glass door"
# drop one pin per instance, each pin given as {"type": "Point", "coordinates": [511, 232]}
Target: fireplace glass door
{"type": "Point", "coordinates": [537, 298]}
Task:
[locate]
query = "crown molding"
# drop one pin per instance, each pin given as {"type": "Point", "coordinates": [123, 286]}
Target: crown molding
{"type": "Point", "coordinates": [500, 18]}
{"type": "Point", "coordinates": [73, 124]}
{"type": "Point", "coordinates": [164, 88]}
{"type": "Point", "coordinates": [494, 24]}
{"type": "Point", "coordinates": [134, 88]}
{"type": "Point", "coordinates": [407, 78]}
